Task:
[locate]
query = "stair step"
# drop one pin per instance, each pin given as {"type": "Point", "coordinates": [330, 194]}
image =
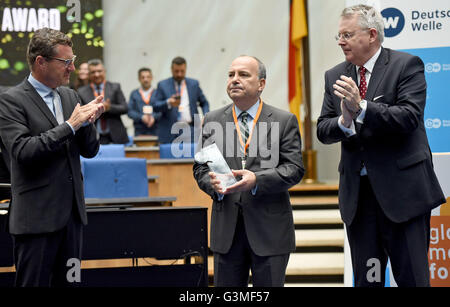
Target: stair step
{"type": "Point", "coordinates": [319, 237]}
{"type": "Point", "coordinates": [307, 264]}
{"type": "Point", "coordinates": [316, 264]}
{"type": "Point", "coordinates": [325, 216]}
{"type": "Point", "coordinates": [314, 200]}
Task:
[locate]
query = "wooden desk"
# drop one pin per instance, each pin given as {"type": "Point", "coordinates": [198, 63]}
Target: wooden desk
{"type": "Point", "coordinates": [145, 140]}
{"type": "Point", "coordinates": [145, 152]}
{"type": "Point", "coordinates": [176, 178]}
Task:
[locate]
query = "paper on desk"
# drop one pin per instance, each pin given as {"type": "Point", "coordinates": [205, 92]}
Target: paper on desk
{"type": "Point", "coordinates": [212, 156]}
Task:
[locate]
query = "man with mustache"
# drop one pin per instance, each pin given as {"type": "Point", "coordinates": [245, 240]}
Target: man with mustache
{"type": "Point", "coordinates": [252, 225]}
{"type": "Point", "coordinates": [109, 126]}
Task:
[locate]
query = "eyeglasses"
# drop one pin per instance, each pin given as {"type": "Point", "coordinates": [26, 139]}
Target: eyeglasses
{"type": "Point", "coordinates": [346, 36]}
{"type": "Point", "coordinates": [67, 63]}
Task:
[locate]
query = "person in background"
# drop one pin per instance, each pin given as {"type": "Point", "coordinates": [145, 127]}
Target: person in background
{"type": "Point", "coordinates": [139, 109]}
{"type": "Point", "coordinates": [109, 126]}
{"type": "Point", "coordinates": [374, 105]}
{"type": "Point", "coordinates": [82, 76]}
{"type": "Point", "coordinates": [176, 98]}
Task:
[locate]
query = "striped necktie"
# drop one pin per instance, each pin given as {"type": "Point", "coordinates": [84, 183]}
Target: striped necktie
{"type": "Point", "coordinates": [243, 126]}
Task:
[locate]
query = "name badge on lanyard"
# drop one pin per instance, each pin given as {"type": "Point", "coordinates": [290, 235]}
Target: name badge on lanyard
{"type": "Point", "coordinates": [247, 144]}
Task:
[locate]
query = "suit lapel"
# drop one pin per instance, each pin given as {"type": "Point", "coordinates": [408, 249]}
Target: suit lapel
{"type": "Point", "coordinates": [39, 102]}
{"type": "Point", "coordinates": [351, 72]}
{"type": "Point", "coordinates": [172, 88]}
{"type": "Point", "coordinates": [378, 73]}
{"type": "Point", "coordinates": [108, 91]}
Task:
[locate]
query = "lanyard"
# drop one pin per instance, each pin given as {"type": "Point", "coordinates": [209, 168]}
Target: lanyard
{"type": "Point", "coordinates": [95, 92]}
{"type": "Point", "coordinates": [147, 101]}
{"type": "Point", "coordinates": [245, 146]}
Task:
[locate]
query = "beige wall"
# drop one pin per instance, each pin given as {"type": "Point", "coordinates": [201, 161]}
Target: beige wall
{"type": "Point", "coordinates": [324, 54]}
{"type": "Point", "coordinates": [210, 33]}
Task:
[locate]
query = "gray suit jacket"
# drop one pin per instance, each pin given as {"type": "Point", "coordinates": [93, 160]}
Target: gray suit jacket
{"type": "Point", "coordinates": [44, 160]}
{"type": "Point", "coordinates": [267, 214]}
{"type": "Point", "coordinates": [392, 142]}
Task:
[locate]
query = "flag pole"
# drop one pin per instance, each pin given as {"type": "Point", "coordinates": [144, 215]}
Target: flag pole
{"type": "Point", "coordinates": [309, 155]}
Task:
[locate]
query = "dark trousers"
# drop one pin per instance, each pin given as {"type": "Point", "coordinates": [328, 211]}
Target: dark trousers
{"type": "Point", "coordinates": [373, 238]}
{"type": "Point", "coordinates": [232, 269]}
{"type": "Point", "coordinates": [41, 259]}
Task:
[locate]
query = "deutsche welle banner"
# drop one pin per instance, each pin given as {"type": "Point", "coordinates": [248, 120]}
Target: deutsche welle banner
{"type": "Point", "coordinates": [422, 28]}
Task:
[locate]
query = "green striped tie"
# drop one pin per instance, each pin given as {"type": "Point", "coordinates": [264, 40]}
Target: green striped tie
{"type": "Point", "coordinates": [243, 126]}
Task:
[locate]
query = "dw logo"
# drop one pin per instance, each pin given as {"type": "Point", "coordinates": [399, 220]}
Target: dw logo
{"type": "Point", "coordinates": [394, 21]}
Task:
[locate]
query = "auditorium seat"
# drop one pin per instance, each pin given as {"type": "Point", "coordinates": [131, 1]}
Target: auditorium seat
{"type": "Point", "coordinates": [111, 151]}
{"type": "Point", "coordinates": [115, 177]}
{"type": "Point", "coordinates": [177, 151]}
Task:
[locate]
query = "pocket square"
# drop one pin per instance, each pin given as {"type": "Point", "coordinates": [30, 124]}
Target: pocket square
{"type": "Point", "coordinates": [378, 97]}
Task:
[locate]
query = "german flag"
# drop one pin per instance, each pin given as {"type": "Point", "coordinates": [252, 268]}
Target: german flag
{"type": "Point", "coordinates": [297, 31]}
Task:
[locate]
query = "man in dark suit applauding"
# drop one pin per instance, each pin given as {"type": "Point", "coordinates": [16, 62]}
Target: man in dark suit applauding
{"type": "Point", "coordinates": [374, 105]}
{"type": "Point", "coordinates": [109, 125]}
{"type": "Point", "coordinates": [176, 98]}
{"type": "Point", "coordinates": [44, 129]}
{"type": "Point", "coordinates": [252, 225]}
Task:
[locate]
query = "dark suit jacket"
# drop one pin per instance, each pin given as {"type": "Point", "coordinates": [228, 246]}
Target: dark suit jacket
{"type": "Point", "coordinates": [267, 214]}
{"type": "Point", "coordinates": [44, 159]}
{"type": "Point", "coordinates": [118, 107]}
{"type": "Point", "coordinates": [392, 142]}
{"type": "Point", "coordinates": [164, 91]}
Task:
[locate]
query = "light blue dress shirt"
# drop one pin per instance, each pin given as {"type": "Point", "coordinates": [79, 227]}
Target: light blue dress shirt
{"type": "Point", "coordinates": [47, 95]}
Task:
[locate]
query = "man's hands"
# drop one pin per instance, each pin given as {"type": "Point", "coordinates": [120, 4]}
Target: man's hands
{"type": "Point", "coordinates": [107, 104]}
{"type": "Point", "coordinates": [86, 113]}
{"type": "Point", "coordinates": [148, 120]}
{"type": "Point", "coordinates": [348, 91]}
{"type": "Point", "coordinates": [174, 100]}
{"type": "Point", "coordinates": [247, 182]}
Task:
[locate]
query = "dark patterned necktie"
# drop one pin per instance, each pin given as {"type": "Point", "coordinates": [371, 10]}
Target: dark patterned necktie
{"type": "Point", "coordinates": [362, 82]}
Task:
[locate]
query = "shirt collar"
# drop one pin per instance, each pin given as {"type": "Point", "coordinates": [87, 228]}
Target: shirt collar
{"type": "Point", "coordinates": [371, 62]}
{"type": "Point", "coordinates": [252, 111]}
{"type": "Point", "coordinates": [42, 89]}
{"type": "Point", "coordinates": [101, 85]}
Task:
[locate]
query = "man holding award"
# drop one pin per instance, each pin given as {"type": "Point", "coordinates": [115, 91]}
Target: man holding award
{"type": "Point", "coordinates": [252, 224]}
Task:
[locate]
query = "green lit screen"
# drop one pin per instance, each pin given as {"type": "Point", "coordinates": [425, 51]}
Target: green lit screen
{"type": "Point", "coordinates": [82, 20]}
